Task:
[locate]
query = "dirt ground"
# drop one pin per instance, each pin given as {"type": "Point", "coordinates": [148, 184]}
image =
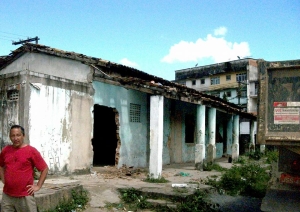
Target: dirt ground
{"type": "Point", "coordinates": [103, 182]}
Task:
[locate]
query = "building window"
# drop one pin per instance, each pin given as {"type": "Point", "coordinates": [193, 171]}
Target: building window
{"type": "Point", "coordinates": [243, 93]}
{"type": "Point", "coordinates": [228, 77]}
{"type": "Point", "coordinates": [256, 88]}
{"type": "Point", "coordinates": [228, 93]}
{"type": "Point", "coordinates": [202, 81]}
{"type": "Point", "coordinates": [135, 113]}
{"type": "Point", "coordinates": [215, 80]}
{"type": "Point", "coordinates": [13, 95]}
{"type": "Point", "coordinates": [189, 128]}
{"type": "Point", "coordinates": [241, 77]}
{"type": "Point", "coordinates": [193, 82]}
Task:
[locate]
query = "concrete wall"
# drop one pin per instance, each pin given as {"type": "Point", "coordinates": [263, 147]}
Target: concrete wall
{"type": "Point", "coordinates": [55, 107]}
{"type": "Point", "coordinates": [47, 64]}
{"type": "Point", "coordinates": [60, 126]}
{"type": "Point", "coordinates": [134, 136]}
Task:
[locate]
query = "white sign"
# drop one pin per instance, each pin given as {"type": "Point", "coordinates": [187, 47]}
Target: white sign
{"type": "Point", "coordinates": [286, 116]}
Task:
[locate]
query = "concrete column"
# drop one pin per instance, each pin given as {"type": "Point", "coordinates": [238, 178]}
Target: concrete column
{"type": "Point", "coordinates": [211, 148]}
{"type": "Point", "coordinates": [235, 135]}
{"type": "Point", "coordinates": [229, 136]}
{"type": "Point", "coordinates": [252, 136]}
{"type": "Point", "coordinates": [156, 136]}
{"type": "Point", "coordinates": [200, 145]}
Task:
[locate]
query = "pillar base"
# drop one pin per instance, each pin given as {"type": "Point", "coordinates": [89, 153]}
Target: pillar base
{"type": "Point", "coordinates": [262, 148]}
{"type": "Point", "coordinates": [199, 156]}
{"type": "Point", "coordinates": [211, 153]}
{"type": "Point", "coordinates": [235, 152]}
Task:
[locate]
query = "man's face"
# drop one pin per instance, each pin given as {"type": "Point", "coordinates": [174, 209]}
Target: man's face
{"type": "Point", "coordinates": [16, 137]}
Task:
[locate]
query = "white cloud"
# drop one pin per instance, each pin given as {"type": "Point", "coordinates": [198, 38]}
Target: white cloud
{"type": "Point", "coordinates": [220, 31]}
{"type": "Point", "coordinates": [127, 62]}
{"type": "Point", "coordinates": [216, 48]}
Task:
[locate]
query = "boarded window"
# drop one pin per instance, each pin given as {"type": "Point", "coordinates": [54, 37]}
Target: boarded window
{"type": "Point", "coordinates": [135, 112]}
{"type": "Point", "coordinates": [189, 128]}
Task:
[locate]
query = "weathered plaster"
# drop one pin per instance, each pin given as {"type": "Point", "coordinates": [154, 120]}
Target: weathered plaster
{"type": "Point", "coordinates": [133, 136]}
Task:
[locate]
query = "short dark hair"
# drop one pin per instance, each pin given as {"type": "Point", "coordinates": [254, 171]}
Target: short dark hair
{"type": "Point", "coordinates": [18, 127]}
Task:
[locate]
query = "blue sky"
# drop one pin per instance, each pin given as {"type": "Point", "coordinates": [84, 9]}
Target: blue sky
{"type": "Point", "coordinates": [158, 37]}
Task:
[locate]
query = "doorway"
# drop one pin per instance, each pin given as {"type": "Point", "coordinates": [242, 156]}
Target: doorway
{"type": "Point", "coordinates": [105, 136]}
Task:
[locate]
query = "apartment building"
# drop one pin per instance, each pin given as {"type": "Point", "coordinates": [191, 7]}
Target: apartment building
{"type": "Point", "coordinates": [235, 81]}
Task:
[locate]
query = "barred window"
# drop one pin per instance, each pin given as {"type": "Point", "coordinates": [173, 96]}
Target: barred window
{"type": "Point", "coordinates": [13, 95]}
{"type": "Point", "coordinates": [135, 112]}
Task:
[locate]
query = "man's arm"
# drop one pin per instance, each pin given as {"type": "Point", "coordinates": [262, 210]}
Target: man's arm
{"type": "Point", "coordinates": [34, 188]}
{"type": "Point", "coordinates": [2, 174]}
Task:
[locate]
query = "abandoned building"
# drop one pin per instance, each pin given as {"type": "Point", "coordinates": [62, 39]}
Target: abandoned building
{"type": "Point", "coordinates": [81, 111]}
{"type": "Point", "coordinates": [235, 81]}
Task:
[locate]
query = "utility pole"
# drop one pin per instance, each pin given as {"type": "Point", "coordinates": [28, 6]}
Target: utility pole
{"type": "Point", "coordinates": [26, 41]}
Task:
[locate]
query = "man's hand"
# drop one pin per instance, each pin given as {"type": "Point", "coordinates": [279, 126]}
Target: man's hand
{"type": "Point", "coordinates": [32, 189]}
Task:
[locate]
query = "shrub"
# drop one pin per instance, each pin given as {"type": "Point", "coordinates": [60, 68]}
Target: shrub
{"type": "Point", "coordinates": [249, 179]}
{"type": "Point", "coordinates": [196, 202]}
{"type": "Point", "coordinates": [79, 200]}
{"type": "Point", "coordinates": [272, 156]}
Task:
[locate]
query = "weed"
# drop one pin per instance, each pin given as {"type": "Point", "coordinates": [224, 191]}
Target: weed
{"type": "Point", "coordinates": [272, 156]}
{"type": "Point", "coordinates": [213, 166]}
{"type": "Point", "coordinates": [152, 180]}
{"type": "Point", "coordinates": [247, 179]}
{"type": "Point", "coordinates": [134, 199]}
{"type": "Point", "coordinates": [195, 202]}
{"type": "Point", "coordinates": [241, 160]}
{"type": "Point", "coordinates": [256, 155]}
{"type": "Point", "coordinates": [79, 201]}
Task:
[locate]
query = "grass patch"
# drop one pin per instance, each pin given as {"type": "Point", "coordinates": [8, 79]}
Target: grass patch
{"type": "Point", "coordinates": [213, 166]}
{"type": "Point", "coordinates": [159, 180]}
{"type": "Point", "coordinates": [196, 202]}
{"type": "Point", "coordinates": [246, 179]}
{"type": "Point", "coordinates": [78, 202]}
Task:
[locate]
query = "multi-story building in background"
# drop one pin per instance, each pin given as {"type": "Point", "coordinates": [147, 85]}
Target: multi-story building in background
{"type": "Point", "coordinates": [234, 81]}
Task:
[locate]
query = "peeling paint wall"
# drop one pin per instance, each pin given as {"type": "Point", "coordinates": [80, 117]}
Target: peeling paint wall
{"type": "Point", "coordinates": [133, 136]}
{"type": "Point", "coordinates": [55, 108]}
{"type": "Point", "coordinates": [60, 126]}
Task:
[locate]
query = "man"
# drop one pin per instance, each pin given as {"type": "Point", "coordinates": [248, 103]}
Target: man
{"type": "Point", "coordinates": [17, 162]}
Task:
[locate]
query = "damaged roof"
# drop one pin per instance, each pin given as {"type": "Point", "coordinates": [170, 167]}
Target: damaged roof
{"type": "Point", "coordinates": [114, 73]}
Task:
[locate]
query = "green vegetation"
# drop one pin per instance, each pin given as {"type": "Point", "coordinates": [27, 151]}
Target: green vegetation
{"type": "Point", "coordinates": [248, 179]}
{"type": "Point", "coordinates": [152, 180]}
{"type": "Point", "coordinates": [213, 166]}
{"type": "Point", "coordinates": [272, 156]}
{"type": "Point", "coordinates": [196, 202]}
{"type": "Point", "coordinates": [78, 202]}
{"type": "Point", "coordinates": [133, 200]}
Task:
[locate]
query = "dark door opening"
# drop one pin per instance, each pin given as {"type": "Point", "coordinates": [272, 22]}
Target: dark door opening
{"type": "Point", "coordinates": [105, 136]}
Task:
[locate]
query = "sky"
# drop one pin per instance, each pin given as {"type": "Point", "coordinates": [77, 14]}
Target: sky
{"type": "Point", "coordinates": [157, 36]}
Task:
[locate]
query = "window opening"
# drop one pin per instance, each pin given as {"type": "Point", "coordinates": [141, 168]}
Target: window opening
{"type": "Point", "coordinates": [228, 77]}
{"type": "Point", "coordinates": [12, 95]}
{"type": "Point", "coordinates": [202, 81]}
{"type": "Point", "coordinates": [189, 128]}
{"type": "Point", "coordinates": [215, 81]}
{"type": "Point", "coordinates": [135, 112]}
{"type": "Point", "coordinates": [241, 77]}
